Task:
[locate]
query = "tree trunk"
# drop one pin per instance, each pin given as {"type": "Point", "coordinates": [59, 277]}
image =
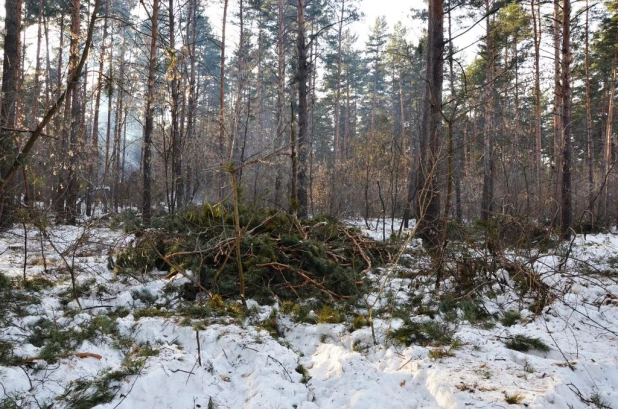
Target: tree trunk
{"type": "Point", "coordinates": [74, 139]}
{"type": "Point", "coordinates": [536, 25]}
{"type": "Point", "coordinates": [566, 121]}
{"type": "Point", "coordinates": [607, 161]}
{"type": "Point", "coordinates": [279, 140]}
{"type": "Point", "coordinates": [10, 85]}
{"type": "Point", "coordinates": [336, 161]}
{"type": "Point", "coordinates": [94, 161]}
{"type": "Point", "coordinates": [177, 185]}
{"type": "Point", "coordinates": [303, 112]}
{"type": "Point", "coordinates": [557, 116]}
{"type": "Point", "coordinates": [294, 158]}
{"type": "Point", "coordinates": [149, 124]}
{"type": "Point", "coordinates": [487, 200]}
{"type": "Point", "coordinates": [118, 133]}
{"type": "Point", "coordinates": [222, 98]}
{"type": "Point", "coordinates": [589, 146]}
{"type": "Point", "coordinates": [192, 103]}
{"type": "Point", "coordinates": [428, 191]}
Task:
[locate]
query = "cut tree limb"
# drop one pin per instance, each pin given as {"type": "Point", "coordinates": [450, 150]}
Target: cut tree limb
{"type": "Point", "coordinates": [81, 355]}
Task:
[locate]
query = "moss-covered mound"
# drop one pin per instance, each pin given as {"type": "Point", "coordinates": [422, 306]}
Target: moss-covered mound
{"type": "Point", "coordinates": [282, 257]}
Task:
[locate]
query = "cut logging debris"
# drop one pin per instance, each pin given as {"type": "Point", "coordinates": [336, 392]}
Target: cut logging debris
{"type": "Point", "coordinates": [283, 258]}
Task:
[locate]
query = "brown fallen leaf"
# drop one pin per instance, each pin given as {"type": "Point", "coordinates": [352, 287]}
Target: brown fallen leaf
{"type": "Point", "coordinates": [225, 378]}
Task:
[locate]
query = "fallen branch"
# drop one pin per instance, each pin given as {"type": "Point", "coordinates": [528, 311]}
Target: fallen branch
{"type": "Point", "coordinates": [360, 250]}
{"type": "Point", "coordinates": [81, 355]}
{"type": "Point", "coordinates": [280, 267]}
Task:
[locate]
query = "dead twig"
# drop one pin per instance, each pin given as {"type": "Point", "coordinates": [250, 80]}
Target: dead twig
{"type": "Point", "coordinates": [277, 361]}
{"type": "Point", "coordinates": [280, 267]}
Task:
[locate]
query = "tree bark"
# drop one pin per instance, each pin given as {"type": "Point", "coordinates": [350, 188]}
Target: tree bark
{"type": "Point", "coordinates": [557, 179]}
{"type": "Point", "coordinates": [428, 191]}
{"type": "Point", "coordinates": [149, 124]}
{"type": "Point", "coordinates": [76, 104]}
{"type": "Point", "coordinates": [566, 219]}
{"type": "Point", "coordinates": [177, 185]}
{"type": "Point", "coordinates": [10, 85]}
{"type": "Point", "coordinates": [487, 200]}
{"type": "Point", "coordinates": [589, 144]}
{"type": "Point", "coordinates": [222, 98]}
{"type": "Point", "coordinates": [301, 77]}
{"type": "Point", "coordinates": [94, 161]}
{"type": "Point", "coordinates": [281, 105]}
{"type": "Point", "coordinates": [536, 26]}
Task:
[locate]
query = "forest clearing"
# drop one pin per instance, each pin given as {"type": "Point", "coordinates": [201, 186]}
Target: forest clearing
{"type": "Point", "coordinates": [308, 204]}
{"type": "Point", "coordinates": [543, 336]}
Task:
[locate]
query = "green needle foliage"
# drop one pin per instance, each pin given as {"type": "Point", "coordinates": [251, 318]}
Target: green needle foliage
{"type": "Point", "coordinates": [282, 256]}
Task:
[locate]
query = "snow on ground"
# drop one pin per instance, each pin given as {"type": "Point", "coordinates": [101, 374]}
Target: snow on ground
{"type": "Point", "coordinates": [170, 360]}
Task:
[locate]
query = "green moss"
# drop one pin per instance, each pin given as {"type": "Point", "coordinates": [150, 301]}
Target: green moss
{"type": "Point", "coordinates": [328, 315]}
{"type": "Point", "coordinates": [151, 312]}
{"type": "Point", "coordinates": [270, 324]}
{"type": "Point", "coordinates": [513, 399]}
{"type": "Point", "coordinates": [304, 372]}
{"type": "Point", "coordinates": [196, 310]}
{"type": "Point", "coordinates": [360, 321]}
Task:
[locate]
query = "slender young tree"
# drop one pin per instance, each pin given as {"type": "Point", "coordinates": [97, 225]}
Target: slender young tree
{"type": "Point", "coordinates": [557, 108]}
{"type": "Point", "coordinates": [75, 117]}
{"type": "Point", "coordinates": [222, 96]}
{"type": "Point", "coordinates": [535, 8]}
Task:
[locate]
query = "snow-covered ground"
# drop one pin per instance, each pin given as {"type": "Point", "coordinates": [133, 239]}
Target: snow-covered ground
{"type": "Point", "coordinates": [169, 357]}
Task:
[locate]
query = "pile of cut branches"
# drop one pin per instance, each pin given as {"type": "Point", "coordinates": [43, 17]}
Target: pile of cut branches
{"type": "Point", "coordinates": [282, 257]}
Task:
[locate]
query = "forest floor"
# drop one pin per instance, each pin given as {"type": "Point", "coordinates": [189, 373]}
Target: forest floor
{"type": "Point", "coordinates": [132, 341]}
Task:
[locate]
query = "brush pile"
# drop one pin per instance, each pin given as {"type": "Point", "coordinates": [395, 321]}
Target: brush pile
{"type": "Point", "coordinates": [282, 257]}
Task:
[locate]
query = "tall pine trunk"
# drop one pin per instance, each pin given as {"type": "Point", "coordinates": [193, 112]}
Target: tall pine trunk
{"type": "Point", "coordinates": [566, 196]}
{"type": "Point", "coordinates": [10, 85]}
{"type": "Point", "coordinates": [303, 110]}
{"type": "Point", "coordinates": [428, 191]}
{"type": "Point", "coordinates": [149, 114]}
